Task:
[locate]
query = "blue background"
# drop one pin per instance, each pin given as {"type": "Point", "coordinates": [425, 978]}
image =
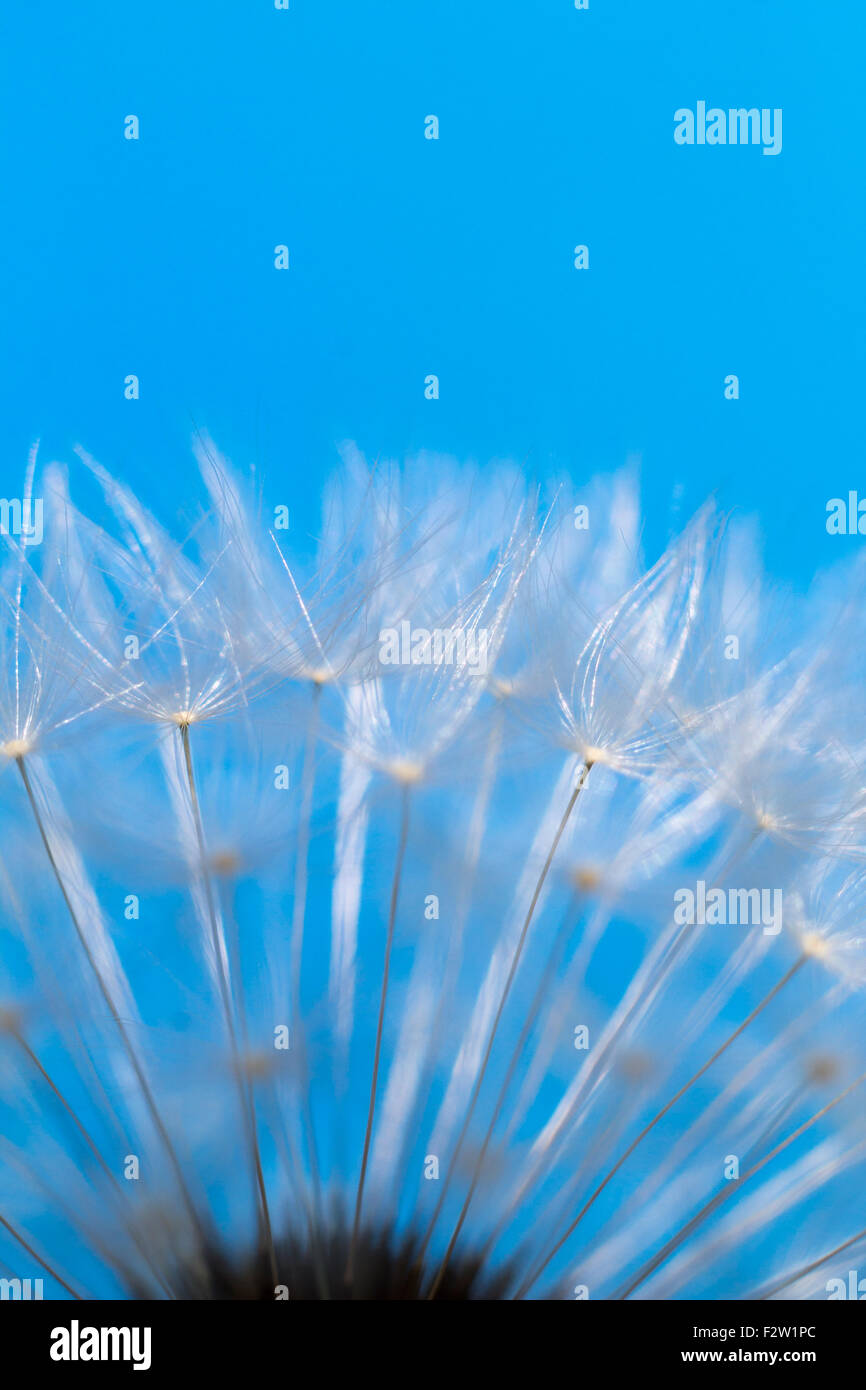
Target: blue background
{"type": "Point", "coordinates": [455, 257]}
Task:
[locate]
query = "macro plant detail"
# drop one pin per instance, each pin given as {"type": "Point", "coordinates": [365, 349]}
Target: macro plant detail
{"type": "Point", "coordinates": [337, 962]}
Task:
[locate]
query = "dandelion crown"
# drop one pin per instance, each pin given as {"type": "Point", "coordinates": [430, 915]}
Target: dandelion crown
{"type": "Point", "coordinates": [455, 905]}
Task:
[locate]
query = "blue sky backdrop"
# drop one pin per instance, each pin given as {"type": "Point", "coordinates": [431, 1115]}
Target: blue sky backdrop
{"type": "Point", "coordinates": [408, 257]}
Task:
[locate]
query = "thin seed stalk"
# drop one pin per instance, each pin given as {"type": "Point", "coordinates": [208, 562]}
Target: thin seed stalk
{"type": "Point", "coordinates": [455, 943]}
{"type": "Point", "coordinates": [49, 1269]}
{"type": "Point", "coordinates": [803, 1270]}
{"type": "Point", "coordinates": [671, 953]}
{"type": "Point", "coordinates": [91, 1144]}
{"type": "Point", "coordinates": [246, 1104]}
{"type": "Point", "coordinates": [386, 971]}
{"type": "Point", "coordinates": [529, 1023]}
{"type": "Point", "coordinates": [728, 1191]}
{"type": "Point", "coordinates": [299, 912]}
{"type": "Point", "coordinates": [660, 1114]}
{"type": "Point", "coordinates": [479, 1082]}
{"type": "Point", "coordinates": [142, 1080]}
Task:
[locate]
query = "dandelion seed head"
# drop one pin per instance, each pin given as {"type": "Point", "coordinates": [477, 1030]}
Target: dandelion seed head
{"type": "Point", "coordinates": [636, 1067]}
{"type": "Point", "coordinates": [11, 1018]}
{"type": "Point", "coordinates": [592, 754]}
{"type": "Point", "coordinates": [816, 946]}
{"type": "Point", "coordinates": [319, 675]}
{"type": "Point", "coordinates": [225, 862]}
{"type": "Point", "coordinates": [822, 1068]}
{"type": "Point", "coordinates": [503, 687]}
{"type": "Point", "coordinates": [256, 1066]}
{"type": "Point", "coordinates": [587, 878]}
{"type": "Point", "coordinates": [454, 1041]}
{"type": "Point", "coordinates": [15, 748]}
{"type": "Point", "coordinates": [826, 911]}
{"type": "Point", "coordinates": [404, 771]}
